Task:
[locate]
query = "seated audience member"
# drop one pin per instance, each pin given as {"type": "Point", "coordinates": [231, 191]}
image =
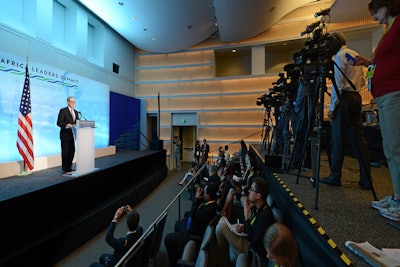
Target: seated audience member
{"type": "Point", "coordinates": [192, 171]}
{"type": "Point", "coordinates": [258, 217]}
{"type": "Point", "coordinates": [123, 244]}
{"type": "Point", "coordinates": [238, 187]}
{"type": "Point", "coordinates": [204, 208]}
{"type": "Point", "coordinates": [213, 176]}
{"type": "Point", "coordinates": [281, 247]}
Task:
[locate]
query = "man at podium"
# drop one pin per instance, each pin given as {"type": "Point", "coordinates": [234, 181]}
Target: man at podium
{"type": "Point", "coordinates": [66, 119]}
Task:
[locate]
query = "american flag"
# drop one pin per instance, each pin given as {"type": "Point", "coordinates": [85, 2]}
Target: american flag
{"type": "Point", "coordinates": [25, 139]}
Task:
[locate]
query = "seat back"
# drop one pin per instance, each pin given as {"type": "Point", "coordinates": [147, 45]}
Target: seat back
{"type": "Point", "coordinates": [134, 259]}
{"type": "Point", "coordinates": [277, 215]}
{"type": "Point", "coordinates": [241, 260]}
{"type": "Point", "coordinates": [158, 236]}
{"type": "Point", "coordinates": [202, 259]}
{"type": "Point", "coordinates": [189, 252]}
{"type": "Point", "coordinates": [208, 237]}
{"type": "Point", "coordinates": [148, 241]}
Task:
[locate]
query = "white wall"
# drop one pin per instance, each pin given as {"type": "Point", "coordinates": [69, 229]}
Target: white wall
{"type": "Point", "coordinates": [33, 37]}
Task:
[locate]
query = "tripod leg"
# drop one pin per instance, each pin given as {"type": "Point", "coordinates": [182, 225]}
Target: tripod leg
{"type": "Point", "coordinates": [286, 143]}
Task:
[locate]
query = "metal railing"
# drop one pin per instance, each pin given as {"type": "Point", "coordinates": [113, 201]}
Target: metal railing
{"type": "Point", "coordinates": [153, 224]}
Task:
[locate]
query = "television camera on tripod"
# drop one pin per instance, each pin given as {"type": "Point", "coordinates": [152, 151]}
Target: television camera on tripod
{"type": "Point", "coordinates": [317, 65]}
{"type": "Point", "coordinates": [280, 98]}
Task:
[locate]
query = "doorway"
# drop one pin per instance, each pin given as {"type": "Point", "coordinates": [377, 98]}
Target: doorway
{"type": "Point", "coordinates": [187, 135]}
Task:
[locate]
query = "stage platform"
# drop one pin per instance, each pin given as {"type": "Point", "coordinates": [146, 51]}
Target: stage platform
{"type": "Point", "coordinates": [42, 211]}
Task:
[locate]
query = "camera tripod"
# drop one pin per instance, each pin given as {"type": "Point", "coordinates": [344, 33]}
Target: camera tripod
{"type": "Point", "coordinates": [315, 120]}
{"type": "Point", "coordinates": [266, 136]}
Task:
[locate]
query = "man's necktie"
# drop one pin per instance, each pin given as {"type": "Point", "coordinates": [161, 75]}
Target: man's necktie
{"type": "Point", "coordinates": [73, 114]}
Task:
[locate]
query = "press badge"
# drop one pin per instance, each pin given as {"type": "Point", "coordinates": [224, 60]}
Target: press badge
{"type": "Point", "coordinates": [370, 74]}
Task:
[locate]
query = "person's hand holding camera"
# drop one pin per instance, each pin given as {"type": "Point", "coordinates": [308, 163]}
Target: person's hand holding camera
{"type": "Point", "coordinates": [120, 211]}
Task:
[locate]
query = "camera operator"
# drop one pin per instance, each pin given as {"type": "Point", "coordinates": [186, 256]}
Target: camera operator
{"type": "Point", "coordinates": [123, 244]}
{"type": "Point", "coordinates": [346, 117]}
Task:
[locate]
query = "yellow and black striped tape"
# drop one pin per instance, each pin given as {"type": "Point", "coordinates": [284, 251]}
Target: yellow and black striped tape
{"type": "Point", "coordinates": [319, 228]}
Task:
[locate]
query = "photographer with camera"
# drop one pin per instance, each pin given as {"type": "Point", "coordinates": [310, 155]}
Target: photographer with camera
{"type": "Point", "coordinates": [346, 116]}
{"type": "Point", "coordinates": [123, 244]}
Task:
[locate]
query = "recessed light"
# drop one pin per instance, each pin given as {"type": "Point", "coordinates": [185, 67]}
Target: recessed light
{"type": "Point", "coordinates": [233, 50]}
{"type": "Point", "coordinates": [121, 3]}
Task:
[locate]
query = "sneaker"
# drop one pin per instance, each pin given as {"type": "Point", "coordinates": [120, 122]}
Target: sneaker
{"type": "Point", "coordinates": [384, 203]}
{"type": "Point", "coordinates": [392, 212]}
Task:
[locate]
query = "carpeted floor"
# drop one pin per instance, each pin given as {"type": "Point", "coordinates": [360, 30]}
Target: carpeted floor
{"type": "Point", "coordinates": [344, 212]}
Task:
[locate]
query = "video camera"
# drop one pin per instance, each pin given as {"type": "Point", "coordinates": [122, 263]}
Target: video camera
{"type": "Point", "coordinates": [275, 96]}
{"type": "Point", "coordinates": [319, 48]}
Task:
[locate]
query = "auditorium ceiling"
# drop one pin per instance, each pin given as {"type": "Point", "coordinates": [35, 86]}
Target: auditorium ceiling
{"type": "Point", "coordinates": [166, 26]}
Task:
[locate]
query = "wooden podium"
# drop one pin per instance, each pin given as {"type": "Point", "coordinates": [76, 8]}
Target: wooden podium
{"type": "Point", "coordinates": [84, 147]}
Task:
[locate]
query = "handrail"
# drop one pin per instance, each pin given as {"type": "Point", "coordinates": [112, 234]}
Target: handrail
{"type": "Point", "coordinates": [140, 132]}
{"type": "Point", "coordinates": [152, 225]}
{"type": "Point", "coordinates": [238, 140]}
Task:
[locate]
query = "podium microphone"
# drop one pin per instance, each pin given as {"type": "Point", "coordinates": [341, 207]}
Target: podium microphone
{"type": "Point", "coordinates": [81, 115]}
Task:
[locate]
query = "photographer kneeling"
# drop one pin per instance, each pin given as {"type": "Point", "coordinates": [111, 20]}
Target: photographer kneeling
{"type": "Point", "coordinates": [123, 244]}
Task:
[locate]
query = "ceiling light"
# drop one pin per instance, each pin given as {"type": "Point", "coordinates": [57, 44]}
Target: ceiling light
{"type": "Point", "coordinates": [233, 50]}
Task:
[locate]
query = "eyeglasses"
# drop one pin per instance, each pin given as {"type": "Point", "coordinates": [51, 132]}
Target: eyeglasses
{"type": "Point", "coordinates": [251, 189]}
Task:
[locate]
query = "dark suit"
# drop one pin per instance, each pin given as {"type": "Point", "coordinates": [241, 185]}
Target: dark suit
{"type": "Point", "coordinates": [120, 245]}
{"type": "Point", "coordinates": [205, 149]}
{"type": "Point", "coordinates": [67, 138]}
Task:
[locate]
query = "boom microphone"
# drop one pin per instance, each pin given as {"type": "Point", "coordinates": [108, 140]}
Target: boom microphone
{"type": "Point", "coordinates": [323, 12]}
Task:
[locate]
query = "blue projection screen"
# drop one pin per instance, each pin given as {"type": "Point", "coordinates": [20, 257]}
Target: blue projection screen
{"type": "Point", "coordinates": [50, 88]}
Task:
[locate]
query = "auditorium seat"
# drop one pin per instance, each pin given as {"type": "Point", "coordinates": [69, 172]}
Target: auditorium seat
{"type": "Point", "coordinates": [158, 235]}
{"type": "Point", "coordinates": [191, 251]}
{"type": "Point", "coordinates": [134, 259]}
{"type": "Point", "coordinates": [140, 257]}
